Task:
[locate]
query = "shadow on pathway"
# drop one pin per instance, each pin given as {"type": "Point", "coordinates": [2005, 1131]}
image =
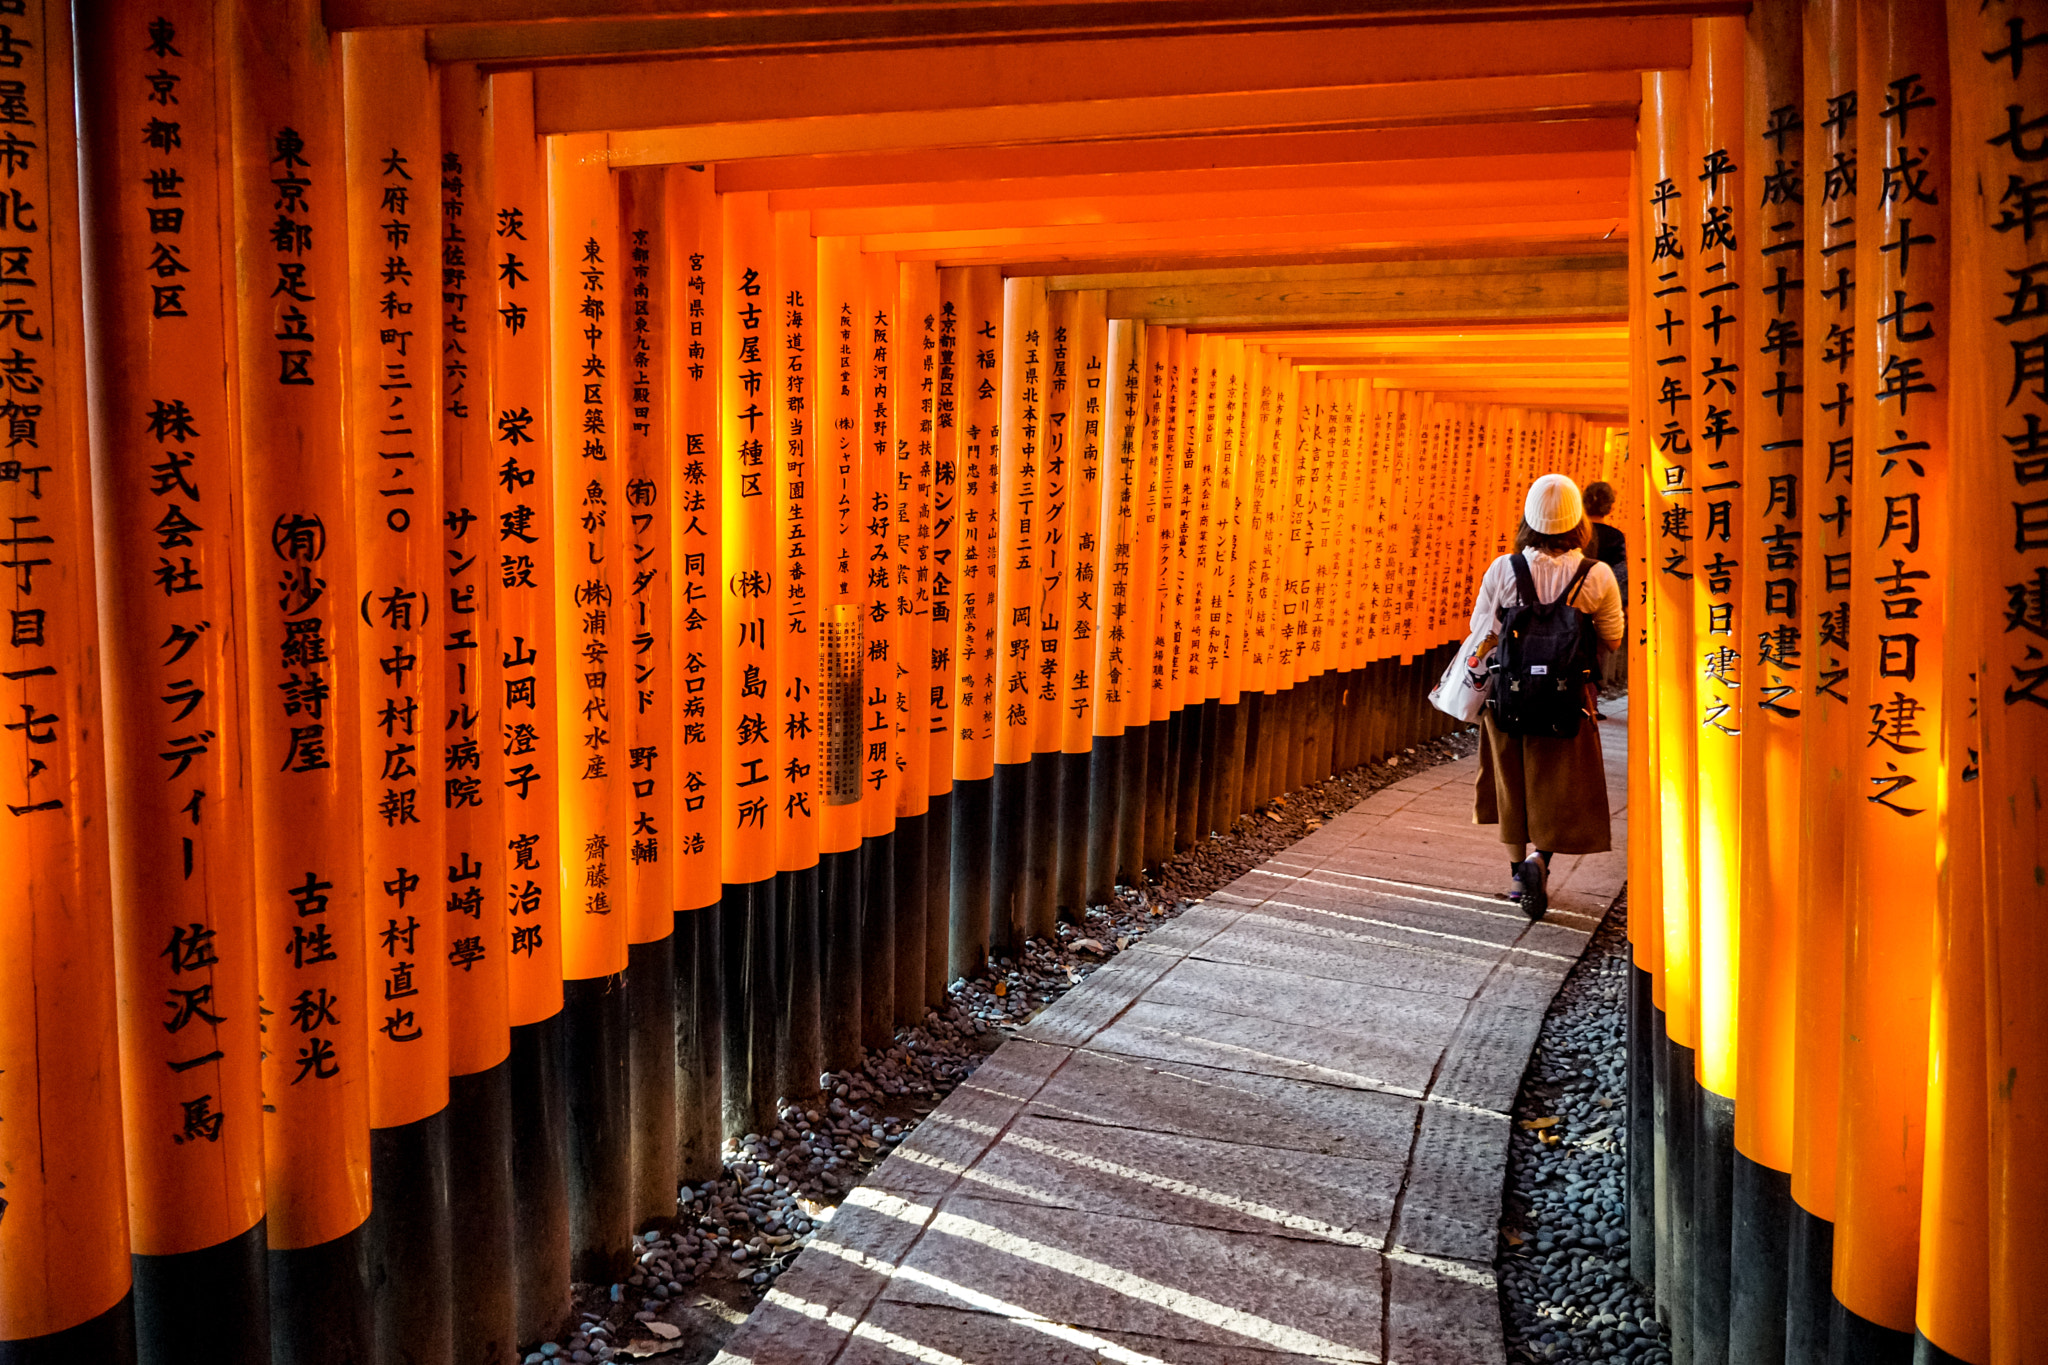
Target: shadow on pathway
{"type": "Point", "coordinates": [1275, 1130]}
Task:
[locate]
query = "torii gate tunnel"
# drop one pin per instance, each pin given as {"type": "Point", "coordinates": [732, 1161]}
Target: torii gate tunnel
{"type": "Point", "coordinates": [573, 564]}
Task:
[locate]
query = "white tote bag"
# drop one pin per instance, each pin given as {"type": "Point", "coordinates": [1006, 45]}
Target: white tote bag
{"type": "Point", "coordinates": [1466, 683]}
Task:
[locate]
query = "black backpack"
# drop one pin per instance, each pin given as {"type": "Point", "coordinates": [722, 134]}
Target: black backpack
{"type": "Point", "coordinates": [1547, 655]}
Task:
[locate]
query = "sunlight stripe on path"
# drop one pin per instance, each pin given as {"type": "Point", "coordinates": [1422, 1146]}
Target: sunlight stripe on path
{"type": "Point", "coordinates": [1196, 1307]}
{"type": "Point", "coordinates": [1430, 933]}
{"type": "Point", "coordinates": [986, 1303]}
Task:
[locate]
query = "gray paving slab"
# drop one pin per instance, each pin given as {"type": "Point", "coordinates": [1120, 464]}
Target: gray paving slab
{"type": "Point", "coordinates": [1080, 1014]}
{"type": "Point", "coordinates": [1195, 926]}
{"type": "Point", "coordinates": [1228, 1106]}
{"type": "Point", "coordinates": [1365, 952]}
{"type": "Point", "coordinates": [1439, 1319]}
{"type": "Point", "coordinates": [1240, 1042]}
{"type": "Point", "coordinates": [896, 1331]}
{"type": "Point", "coordinates": [1228, 1144]}
{"type": "Point", "coordinates": [938, 1151]}
{"type": "Point", "coordinates": [1105, 1272]}
{"type": "Point", "coordinates": [816, 1302]}
{"type": "Point", "coordinates": [1199, 1182]}
{"type": "Point", "coordinates": [1450, 1207]}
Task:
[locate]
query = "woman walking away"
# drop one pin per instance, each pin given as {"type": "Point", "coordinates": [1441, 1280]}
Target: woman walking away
{"type": "Point", "coordinates": [1541, 777]}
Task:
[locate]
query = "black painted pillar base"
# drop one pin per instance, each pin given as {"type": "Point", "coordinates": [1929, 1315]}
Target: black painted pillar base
{"type": "Point", "coordinates": [1187, 782]}
{"type": "Point", "coordinates": [1209, 745]}
{"type": "Point", "coordinates": [198, 1307]}
{"type": "Point", "coordinates": [968, 900]}
{"type": "Point", "coordinates": [1158, 831]}
{"type": "Point", "coordinates": [320, 1304]}
{"type": "Point", "coordinates": [600, 1169]}
{"type": "Point", "coordinates": [1665, 1215]}
{"type": "Point", "coordinates": [908, 885]}
{"type": "Point", "coordinates": [1232, 736]}
{"type": "Point", "coordinates": [409, 1243]}
{"type": "Point", "coordinates": [1856, 1340]}
{"type": "Point", "coordinates": [1240, 756]}
{"type": "Point", "coordinates": [1681, 1135]}
{"type": "Point", "coordinates": [108, 1336]}
{"type": "Point", "coordinates": [1009, 819]}
{"type": "Point", "coordinates": [1757, 1265]}
{"type": "Point", "coordinates": [652, 1075]}
{"type": "Point", "coordinates": [697, 1027]}
{"type": "Point", "coordinates": [1926, 1352]}
{"type": "Point", "coordinates": [938, 883]}
{"type": "Point", "coordinates": [877, 943]}
{"type": "Point", "coordinates": [1036, 914]}
{"type": "Point", "coordinates": [799, 1036]}
{"type": "Point", "coordinates": [747, 1025]}
{"type": "Point", "coordinates": [1260, 754]}
{"type": "Point", "coordinates": [1809, 1289]}
{"type": "Point", "coordinates": [1167, 787]}
{"type": "Point", "coordinates": [1070, 814]}
{"type": "Point", "coordinates": [1314, 735]}
{"type": "Point", "coordinates": [1713, 1200]}
{"type": "Point", "coordinates": [540, 1180]}
{"type": "Point", "coordinates": [1642, 1172]}
{"type": "Point", "coordinates": [480, 1221]}
{"type": "Point", "coordinates": [839, 916]}
{"type": "Point", "coordinates": [1373, 742]}
{"type": "Point", "coordinates": [1130, 807]}
{"type": "Point", "coordinates": [1105, 830]}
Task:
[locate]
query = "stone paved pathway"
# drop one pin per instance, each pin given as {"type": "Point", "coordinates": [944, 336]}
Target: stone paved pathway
{"type": "Point", "coordinates": [1272, 1131]}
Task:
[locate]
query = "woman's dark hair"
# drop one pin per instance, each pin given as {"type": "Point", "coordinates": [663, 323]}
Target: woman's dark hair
{"type": "Point", "coordinates": [1599, 499]}
{"type": "Point", "coordinates": [1579, 538]}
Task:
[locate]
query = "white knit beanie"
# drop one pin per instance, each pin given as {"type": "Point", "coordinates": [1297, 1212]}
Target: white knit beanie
{"type": "Point", "coordinates": [1553, 505]}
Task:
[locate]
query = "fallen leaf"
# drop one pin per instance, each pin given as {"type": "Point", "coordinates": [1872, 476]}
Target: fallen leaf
{"type": "Point", "coordinates": [1514, 1238]}
{"type": "Point", "coordinates": [1533, 1124]}
{"type": "Point", "coordinates": [1123, 942]}
{"type": "Point", "coordinates": [1089, 945]}
{"type": "Point", "coordinates": [1002, 988]}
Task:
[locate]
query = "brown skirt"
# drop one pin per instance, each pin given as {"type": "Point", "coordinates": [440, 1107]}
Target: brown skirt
{"type": "Point", "coordinates": [1548, 792]}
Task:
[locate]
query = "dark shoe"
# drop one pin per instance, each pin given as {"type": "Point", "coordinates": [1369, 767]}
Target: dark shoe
{"type": "Point", "coordinates": [1535, 893]}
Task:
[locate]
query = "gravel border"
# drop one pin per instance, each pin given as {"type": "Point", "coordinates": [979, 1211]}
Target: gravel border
{"type": "Point", "coordinates": [1562, 1259]}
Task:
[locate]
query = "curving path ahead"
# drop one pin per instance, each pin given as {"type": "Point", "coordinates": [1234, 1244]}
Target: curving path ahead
{"type": "Point", "coordinates": [1274, 1130]}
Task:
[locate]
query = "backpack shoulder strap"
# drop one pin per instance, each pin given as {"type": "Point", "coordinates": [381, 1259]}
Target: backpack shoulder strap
{"type": "Point", "coordinates": [1579, 579]}
{"type": "Point", "coordinates": [1525, 582]}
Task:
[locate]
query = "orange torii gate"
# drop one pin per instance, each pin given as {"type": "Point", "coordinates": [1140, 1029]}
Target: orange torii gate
{"type": "Point", "coordinates": [609, 583]}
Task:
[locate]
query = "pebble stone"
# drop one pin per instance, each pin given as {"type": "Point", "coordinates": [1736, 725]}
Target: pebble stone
{"type": "Point", "coordinates": [1563, 1253]}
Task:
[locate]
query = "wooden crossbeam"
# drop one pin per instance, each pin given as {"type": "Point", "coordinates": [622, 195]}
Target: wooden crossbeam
{"type": "Point", "coordinates": [1593, 288]}
{"type": "Point", "coordinates": [903, 176]}
{"type": "Point", "coordinates": [1582, 179]}
{"type": "Point", "coordinates": [1110, 272]}
{"type": "Point", "coordinates": [1077, 254]}
{"type": "Point", "coordinates": [1332, 185]}
{"type": "Point", "coordinates": [536, 31]}
{"type": "Point", "coordinates": [1538, 98]}
{"type": "Point", "coordinates": [713, 90]}
{"type": "Point", "coordinates": [1081, 241]}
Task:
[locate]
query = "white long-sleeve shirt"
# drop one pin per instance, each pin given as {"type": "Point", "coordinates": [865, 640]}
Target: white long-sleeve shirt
{"type": "Point", "coordinates": [1599, 596]}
